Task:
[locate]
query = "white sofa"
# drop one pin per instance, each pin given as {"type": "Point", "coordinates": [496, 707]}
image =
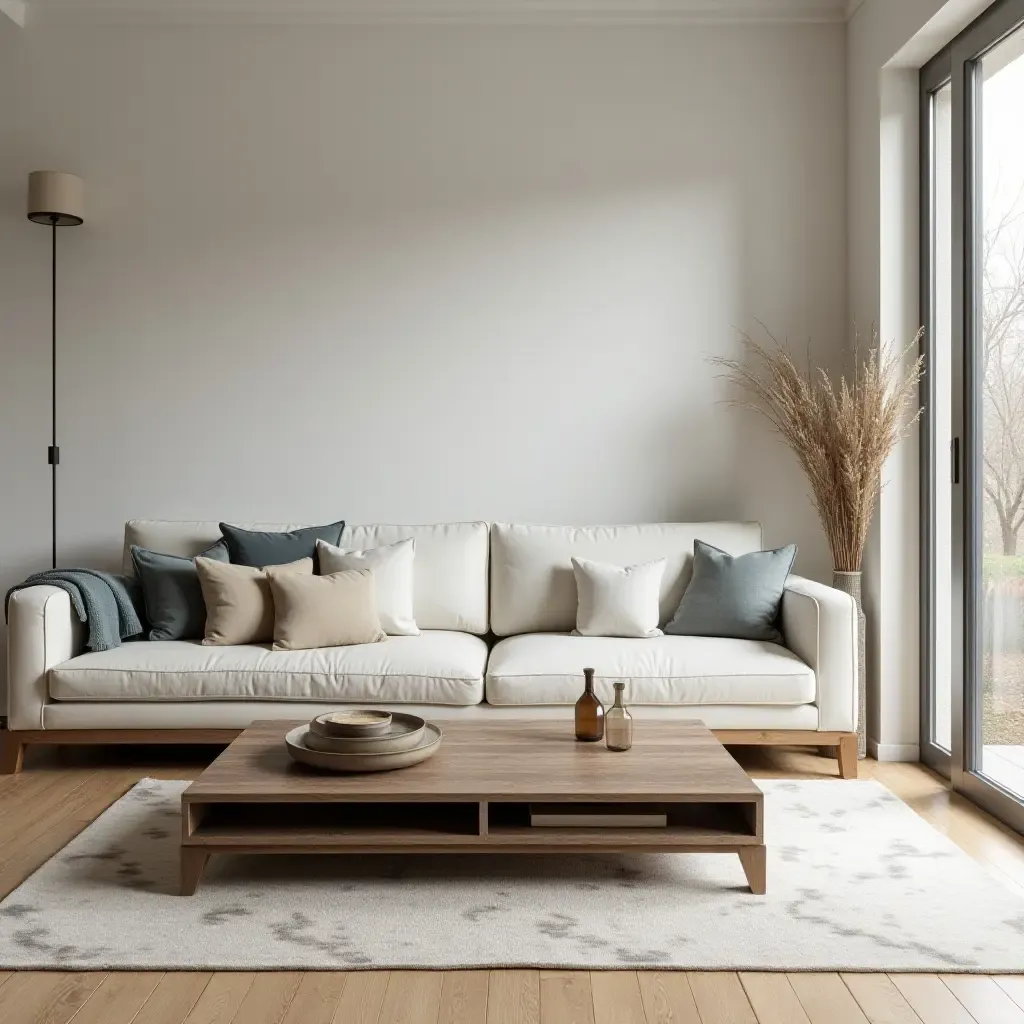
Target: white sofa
{"type": "Point", "coordinates": [495, 604]}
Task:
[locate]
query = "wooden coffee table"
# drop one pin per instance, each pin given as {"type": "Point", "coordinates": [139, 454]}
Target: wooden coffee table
{"type": "Point", "coordinates": [473, 796]}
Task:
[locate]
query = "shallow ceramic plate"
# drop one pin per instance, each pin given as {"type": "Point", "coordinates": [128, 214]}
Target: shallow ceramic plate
{"type": "Point", "coordinates": [295, 741]}
{"type": "Point", "coordinates": [390, 743]}
{"type": "Point", "coordinates": [354, 722]}
{"type": "Point", "coordinates": [404, 733]}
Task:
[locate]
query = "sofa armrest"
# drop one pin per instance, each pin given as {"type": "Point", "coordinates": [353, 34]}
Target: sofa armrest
{"type": "Point", "coordinates": [819, 624]}
{"type": "Point", "coordinates": [42, 631]}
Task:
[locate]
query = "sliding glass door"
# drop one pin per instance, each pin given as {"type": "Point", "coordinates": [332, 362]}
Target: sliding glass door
{"type": "Point", "coordinates": [972, 116]}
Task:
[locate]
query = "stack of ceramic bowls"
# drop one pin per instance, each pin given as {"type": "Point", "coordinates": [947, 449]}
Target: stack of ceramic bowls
{"type": "Point", "coordinates": [363, 741]}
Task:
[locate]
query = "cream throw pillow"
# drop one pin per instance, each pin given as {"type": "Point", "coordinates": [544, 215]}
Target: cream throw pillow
{"type": "Point", "coordinates": [324, 611]}
{"type": "Point", "coordinates": [392, 568]}
{"type": "Point", "coordinates": [615, 600]}
{"type": "Point", "coordinates": [239, 605]}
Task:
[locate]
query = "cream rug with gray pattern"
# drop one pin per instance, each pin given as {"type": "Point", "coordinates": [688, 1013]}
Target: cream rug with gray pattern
{"type": "Point", "coordinates": [856, 881]}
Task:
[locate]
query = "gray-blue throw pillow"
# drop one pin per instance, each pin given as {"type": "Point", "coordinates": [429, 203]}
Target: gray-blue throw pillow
{"type": "Point", "coordinates": [735, 596]}
{"type": "Point", "coordinates": [265, 547]}
{"type": "Point", "coordinates": [175, 609]}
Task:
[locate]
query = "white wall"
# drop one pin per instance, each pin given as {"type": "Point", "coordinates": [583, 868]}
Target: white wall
{"type": "Point", "coordinates": [23, 421]}
{"type": "Point", "coordinates": [416, 273]}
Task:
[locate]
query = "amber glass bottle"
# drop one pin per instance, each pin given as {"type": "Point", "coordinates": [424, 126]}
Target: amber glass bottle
{"type": "Point", "coordinates": [589, 711]}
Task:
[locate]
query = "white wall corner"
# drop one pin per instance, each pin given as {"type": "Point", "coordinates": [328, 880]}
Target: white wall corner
{"type": "Point", "coordinates": [16, 10]}
{"type": "Point", "coordinates": [852, 6]}
{"type": "Point", "coordinates": [899, 507]}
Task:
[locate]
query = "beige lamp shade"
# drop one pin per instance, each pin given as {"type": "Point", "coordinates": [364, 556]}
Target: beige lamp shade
{"type": "Point", "coordinates": [55, 198]}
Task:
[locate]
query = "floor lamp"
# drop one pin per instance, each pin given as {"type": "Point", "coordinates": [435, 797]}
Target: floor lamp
{"type": "Point", "coordinates": [54, 198]}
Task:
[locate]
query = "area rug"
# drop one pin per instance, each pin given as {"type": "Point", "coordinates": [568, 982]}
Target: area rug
{"type": "Point", "coordinates": [856, 882]}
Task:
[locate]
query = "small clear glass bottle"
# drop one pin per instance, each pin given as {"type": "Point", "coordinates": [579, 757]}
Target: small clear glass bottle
{"type": "Point", "coordinates": [618, 723]}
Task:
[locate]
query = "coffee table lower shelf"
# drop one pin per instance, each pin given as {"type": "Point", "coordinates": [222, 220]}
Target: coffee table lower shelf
{"type": "Point", "coordinates": [436, 827]}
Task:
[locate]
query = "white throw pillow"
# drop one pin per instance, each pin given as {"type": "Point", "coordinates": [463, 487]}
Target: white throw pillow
{"type": "Point", "coordinates": [615, 600]}
{"type": "Point", "coordinates": [392, 568]}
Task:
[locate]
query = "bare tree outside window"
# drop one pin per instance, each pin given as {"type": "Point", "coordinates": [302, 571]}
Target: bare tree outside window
{"type": "Point", "coordinates": [1003, 372]}
{"type": "Point", "coordinates": [1001, 393]}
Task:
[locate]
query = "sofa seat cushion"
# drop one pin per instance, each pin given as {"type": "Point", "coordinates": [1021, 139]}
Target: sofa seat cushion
{"type": "Point", "coordinates": [547, 668]}
{"type": "Point", "coordinates": [436, 667]}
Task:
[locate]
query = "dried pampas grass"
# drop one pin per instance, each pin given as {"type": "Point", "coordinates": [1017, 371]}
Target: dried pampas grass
{"type": "Point", "coordinates": [842, 434]}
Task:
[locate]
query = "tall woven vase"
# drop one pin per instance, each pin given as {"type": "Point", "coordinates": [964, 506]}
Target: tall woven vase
{"type": "Point", "coordinates": [849, 583]}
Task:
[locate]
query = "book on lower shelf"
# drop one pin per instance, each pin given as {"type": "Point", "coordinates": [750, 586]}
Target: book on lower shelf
{"type": "Point", "coordinates": [598, 816]}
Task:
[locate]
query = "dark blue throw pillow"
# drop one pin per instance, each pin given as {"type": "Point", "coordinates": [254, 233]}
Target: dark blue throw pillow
{"type": "Point", "coordinates": [734, 596]}
{"type": "Point", "coordinates": [264, 547]}
{"type": "Point", "coordinates": [173, 598]}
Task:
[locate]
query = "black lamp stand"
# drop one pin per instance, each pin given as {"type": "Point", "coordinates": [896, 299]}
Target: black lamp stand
{"type": "Point", "coordinates": [54, 199]}
{"type": "Point", "coordinates": [53, 453]}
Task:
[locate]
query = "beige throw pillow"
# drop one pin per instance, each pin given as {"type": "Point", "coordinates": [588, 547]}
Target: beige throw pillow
{"type": "Point", "coordinates": [239, 605]}
{"type": "Point", "coordinates": [392, 568]}
{"type": "Point", "coordinates": [324, 611]}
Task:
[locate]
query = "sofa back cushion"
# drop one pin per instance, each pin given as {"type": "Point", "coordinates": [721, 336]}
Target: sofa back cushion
{"type": "Point", "coordinates": [533, 589]}
{"type": "Point", "coordinates": [450, 565]}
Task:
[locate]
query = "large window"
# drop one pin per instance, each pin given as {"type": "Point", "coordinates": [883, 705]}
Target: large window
{"type": "Point", "coordinates": [973, 449]}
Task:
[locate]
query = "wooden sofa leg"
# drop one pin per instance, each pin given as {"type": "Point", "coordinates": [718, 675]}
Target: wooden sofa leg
{"type": "Point", "coordinates": [12, 753]}
{"type": "Point", "coordinates": [848, 756]}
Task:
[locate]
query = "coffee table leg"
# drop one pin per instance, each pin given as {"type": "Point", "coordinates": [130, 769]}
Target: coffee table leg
{"type": "Point", "coordinates": [755, 866]}
{"type": "Point", "coordinates": [193, 860]}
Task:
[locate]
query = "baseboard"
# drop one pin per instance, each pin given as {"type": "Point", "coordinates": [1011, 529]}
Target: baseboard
{"type": "Point", "coordinates": [894, 751]}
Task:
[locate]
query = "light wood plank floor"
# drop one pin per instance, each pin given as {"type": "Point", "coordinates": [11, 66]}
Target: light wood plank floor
{"type": "Point", "coordinates": [62, 791]}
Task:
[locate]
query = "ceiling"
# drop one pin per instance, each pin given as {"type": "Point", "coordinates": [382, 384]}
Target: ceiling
{"type": "Point", "coordinates": [611, 11]}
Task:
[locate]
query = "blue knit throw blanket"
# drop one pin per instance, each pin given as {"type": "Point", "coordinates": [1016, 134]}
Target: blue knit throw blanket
{"type": "Point", "coordinates": [101, 599]}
